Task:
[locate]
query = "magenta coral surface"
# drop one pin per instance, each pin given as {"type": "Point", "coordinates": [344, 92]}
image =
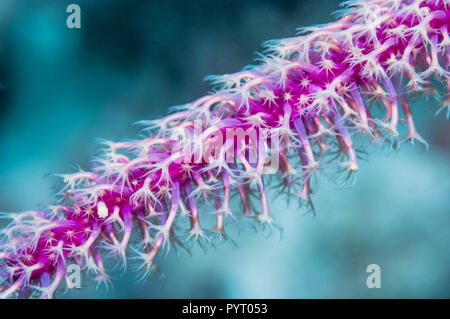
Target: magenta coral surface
{"type": "Point", "coordinates": [307, 103]}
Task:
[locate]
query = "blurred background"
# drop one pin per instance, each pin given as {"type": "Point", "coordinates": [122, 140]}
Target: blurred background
{"type": "Point", "coordinates": [60, 88]}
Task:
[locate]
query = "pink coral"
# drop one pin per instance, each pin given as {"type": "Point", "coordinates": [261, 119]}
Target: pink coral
{"type": "Point", "coordinates": [306, 99]}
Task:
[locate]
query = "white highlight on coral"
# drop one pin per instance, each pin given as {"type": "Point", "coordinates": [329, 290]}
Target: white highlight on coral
{"type": "Point", "coordinates": [102, 210]}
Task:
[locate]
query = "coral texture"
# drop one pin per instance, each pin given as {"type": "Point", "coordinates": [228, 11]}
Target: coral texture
{"type": "Point", "coordinates": [308, 102]}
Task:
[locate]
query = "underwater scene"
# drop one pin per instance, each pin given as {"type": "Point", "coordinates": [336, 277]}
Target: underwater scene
{"type": "Point", "coordinates": [224, 149]}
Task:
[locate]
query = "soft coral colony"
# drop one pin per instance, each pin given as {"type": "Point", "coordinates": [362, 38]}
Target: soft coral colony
{"type": "Point", "coordinates": [312, 91]}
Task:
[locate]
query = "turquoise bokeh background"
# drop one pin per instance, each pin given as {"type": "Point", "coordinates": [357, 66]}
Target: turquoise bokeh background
{"type": "Point", "coordinates": [132, 60]}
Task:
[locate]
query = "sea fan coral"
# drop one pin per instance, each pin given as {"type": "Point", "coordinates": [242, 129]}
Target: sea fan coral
{"type": "Point", "coordinates": [297, 112]}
